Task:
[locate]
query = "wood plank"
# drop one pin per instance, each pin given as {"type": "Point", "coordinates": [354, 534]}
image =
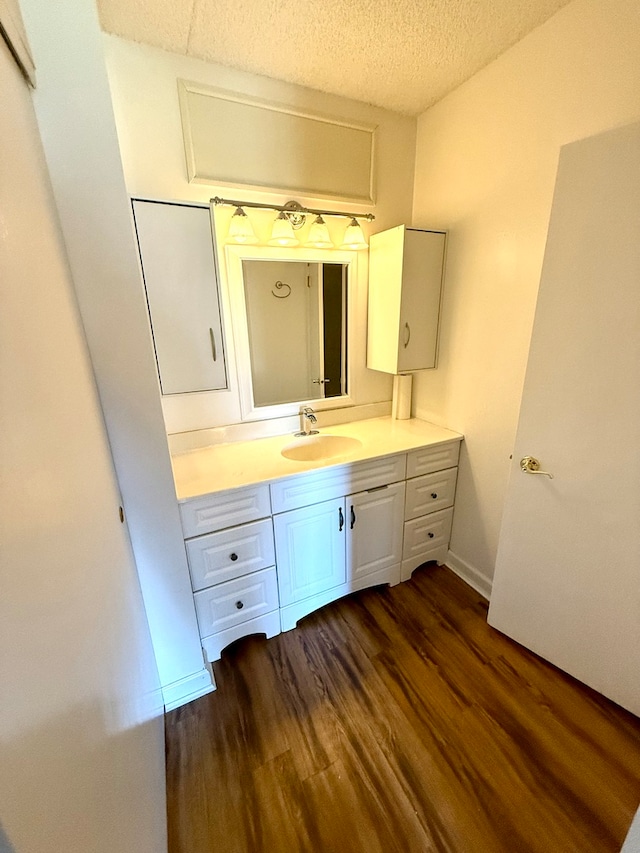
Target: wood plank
{"type": "Point", "coordinates": [397, 719]}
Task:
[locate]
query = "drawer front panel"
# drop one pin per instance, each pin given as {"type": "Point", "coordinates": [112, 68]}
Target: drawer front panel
{"type": "Point", "coordinates": [318, 486]}
{"type": "Point", "coordinates": [224, 509]}
{"type": "Point", "coordinates": [430, 493]}
{"type": "Point", "coordinates": [424, 534]}
{"type": "Point", "coordinates": [226, 555]}
{"type": "Point", "coordinates": [430, 459]}
{"type": "Point", "coordinates": [236, 601]}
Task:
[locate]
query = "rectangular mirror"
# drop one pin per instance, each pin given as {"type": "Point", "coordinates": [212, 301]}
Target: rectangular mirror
{"type": "Point", "coordinates": [296, 322]}
{"type": "Point", "coordinates": [292, 316]}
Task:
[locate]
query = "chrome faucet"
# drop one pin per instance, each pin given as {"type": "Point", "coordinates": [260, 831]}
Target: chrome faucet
{"type": "Point", "coordinates": [307, 419]}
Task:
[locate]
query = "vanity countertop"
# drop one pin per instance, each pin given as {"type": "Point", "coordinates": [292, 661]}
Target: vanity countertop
{"type": "Point", "coordinates": [227, 466]}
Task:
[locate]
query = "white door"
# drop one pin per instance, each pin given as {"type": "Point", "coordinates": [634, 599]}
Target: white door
{"type": "Point", "coordinates": [567, 580]}
{"type": "Point", "coordinates": [375, 520]}
{"type": "Point", "coordinates": [310, 550]}
{"type": "Point", "coordinates": [176, 250]}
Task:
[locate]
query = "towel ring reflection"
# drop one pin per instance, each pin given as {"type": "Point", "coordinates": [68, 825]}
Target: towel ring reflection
{"type": "Point", "coordinates": [279, 286]}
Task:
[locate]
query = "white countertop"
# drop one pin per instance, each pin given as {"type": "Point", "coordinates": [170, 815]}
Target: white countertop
{"type": "Point", "coordinates": [243, 463]}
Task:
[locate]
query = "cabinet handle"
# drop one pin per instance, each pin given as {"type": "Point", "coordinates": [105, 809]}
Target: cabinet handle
{"type": "Point", "coordinates": [430, 535]}
{"type": "Point", "coordinates": [213, 345]}
{"type": "Point", "coordinates": [233, 557]}
{"type": "Point", "coordinates": [341, 518]}
{"type": "Point", "coordinates": [239, 605]}
{"type": "Point", "coordinates": [353, 516]}
{"type": "Point", "coordinates": [407, 335]}
{"type": "Point", "coordinates": [434, 495]}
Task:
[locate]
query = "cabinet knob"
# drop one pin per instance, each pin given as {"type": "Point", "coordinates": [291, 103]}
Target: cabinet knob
{"type": "Point", "coordinates": [430, 535]}
{"type": "Point", "coordinates": [434, 495]}
{"type": "Point", "coordinates": [239, 605]}
{"type": "Point", "coordinates": [233, 557]}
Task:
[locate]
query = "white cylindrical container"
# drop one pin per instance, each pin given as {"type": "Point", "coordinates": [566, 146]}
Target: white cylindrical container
{"type": "Point", "coordinates": [401, 403]}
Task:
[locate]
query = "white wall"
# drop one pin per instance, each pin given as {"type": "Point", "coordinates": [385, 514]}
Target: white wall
{"type": "Point", "coordinates": [144, 89]}
{"type": "Point", "coordinates": [81, 735]}
{"type": "Point", "coordinates": [75, 116]}
{"type": "Point", "coordinates": [485, 169]}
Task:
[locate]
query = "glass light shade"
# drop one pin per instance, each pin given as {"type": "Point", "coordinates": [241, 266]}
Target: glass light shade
{"type": "Point", "coordinates": [241, 229]}
{"type": "Point", "coordinates": [319, 235]}
{"type": "Point", "coordinates": [282, 232]}
{"type": "Point", "coordinates": [353, 237]}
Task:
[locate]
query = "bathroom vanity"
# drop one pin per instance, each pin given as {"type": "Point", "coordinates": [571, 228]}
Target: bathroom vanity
{"type": "Point", "coordinates": [271, 538]}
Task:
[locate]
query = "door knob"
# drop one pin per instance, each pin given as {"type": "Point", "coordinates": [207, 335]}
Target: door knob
{"type": "Point", "coordinates": [531, 465]}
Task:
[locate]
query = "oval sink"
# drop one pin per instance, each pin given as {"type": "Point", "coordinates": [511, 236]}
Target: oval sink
{"type": "Point", "coordinates": [314, 448]}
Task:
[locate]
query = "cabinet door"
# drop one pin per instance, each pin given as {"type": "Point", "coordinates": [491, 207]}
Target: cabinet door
{"type": "Point", "coordinates": [420, 303]}
{"type": "Point", "coordinates": [310, 550]}
{"type": "Point", "coordinates": [375, 522]}
{"type": "Point", "coordinates": [178, 264]}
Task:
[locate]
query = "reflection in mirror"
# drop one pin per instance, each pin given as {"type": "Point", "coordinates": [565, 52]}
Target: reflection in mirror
{"type": "Point", "coordinates": [296, 320]}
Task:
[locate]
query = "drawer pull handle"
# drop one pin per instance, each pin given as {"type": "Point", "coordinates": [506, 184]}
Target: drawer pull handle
{"type": "Point", "coordinates": [233, 557]}
{"type": "Point", "coordinates": [341, 519]}
{"type": "Point", "coordinates": [239, 605]}
{"type": "Point", "coordinates": [353, 517]}
{"type": "Point", "coordinates": [434, 495]}
{"type": "Point", "coordinates": [430, 535]}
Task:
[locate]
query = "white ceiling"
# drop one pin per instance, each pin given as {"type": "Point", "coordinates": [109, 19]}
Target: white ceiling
{"type": "Point", "coordinates": [403, 55]}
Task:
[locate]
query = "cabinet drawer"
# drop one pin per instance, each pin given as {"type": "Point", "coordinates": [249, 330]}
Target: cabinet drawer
{"type": "Point", "coordinates": [230, 553]}
{"type": "Point", "coordinates": [429, 459]}
{"type": "Point", "coordinates": [424, 534]}
{"type": "Point", "coordinates": [318, 486]}
{"type": "Point", "coordinates": [224, 509]}
{"type": "Point", "coordinates": [236, 601]}
{"type": "Point", "coordinates": [430, 493]}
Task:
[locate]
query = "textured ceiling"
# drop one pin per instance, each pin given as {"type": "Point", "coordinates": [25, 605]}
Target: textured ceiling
{"type": "Point", "coordinates": [403, 55]}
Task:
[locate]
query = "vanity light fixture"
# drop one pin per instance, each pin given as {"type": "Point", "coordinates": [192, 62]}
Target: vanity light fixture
{"type": "Point", "coordinates": [292, 216]}
{"type": "Point", "coordinates": [319, 235]}
{"type": "Point", "coordinates": [282, 232]}
{"type": "Point", "coordinates": [353, 237]}
{"type": "Point", "coordinates": [241, 229]}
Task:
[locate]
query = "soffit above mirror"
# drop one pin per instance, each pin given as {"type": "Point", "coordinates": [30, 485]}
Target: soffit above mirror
{"type": "Point", "coordinates": [274, 146]}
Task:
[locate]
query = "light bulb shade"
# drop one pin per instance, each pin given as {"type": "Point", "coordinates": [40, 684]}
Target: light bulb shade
{"type": "Point", "coordinates": [353, 237]}
{"type": "Point", "coordinates": [282, 232]}
{"type": "Point", "coordinates": [319, 235]}
{"type": "Point", "coordinates": [240, 229]}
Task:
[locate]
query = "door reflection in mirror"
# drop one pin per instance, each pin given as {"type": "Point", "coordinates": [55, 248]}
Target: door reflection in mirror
{"type": "Point", "coordinates": [296, 320]}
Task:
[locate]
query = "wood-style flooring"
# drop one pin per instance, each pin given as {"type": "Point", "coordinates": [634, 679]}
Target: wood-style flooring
{"type": "Point", "coordinates": [398, 720]}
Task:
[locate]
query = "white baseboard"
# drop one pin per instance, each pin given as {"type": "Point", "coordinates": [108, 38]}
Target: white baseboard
{"type": "Point", "coordinates": [187, 689]}
{"type": "Point", "coordinates": [481, 583]}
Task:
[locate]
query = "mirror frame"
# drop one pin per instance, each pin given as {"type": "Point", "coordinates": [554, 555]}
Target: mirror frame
{"type": "Point", "coordinates": [235, 255]}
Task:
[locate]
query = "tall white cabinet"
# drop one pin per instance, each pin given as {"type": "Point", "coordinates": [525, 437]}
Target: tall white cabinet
{"type": "Point", "coordinates": [406, 268]}
{"type": "Point", "coordinates": [181, 283]}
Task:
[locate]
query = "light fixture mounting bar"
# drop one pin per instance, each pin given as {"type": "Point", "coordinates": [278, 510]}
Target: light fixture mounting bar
{"type": "Point", "coordinates": [291, 208]}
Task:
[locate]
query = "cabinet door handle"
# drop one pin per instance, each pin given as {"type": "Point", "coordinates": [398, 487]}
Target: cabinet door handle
{"type": "Point", "coordinates": [341, 518]}
{"type": "Point", "coordinates": [239, 605]}
{"type": "Point", "coordinates": [434, 495]}
{"type": "Point", "coordinates": [233, 557]}
{"type": "Point", "coordinates": [353, 516]}
{"type": "Point", "coordinates": [407, 335]}
{"type": "Point", "coordinates": [214, 352]}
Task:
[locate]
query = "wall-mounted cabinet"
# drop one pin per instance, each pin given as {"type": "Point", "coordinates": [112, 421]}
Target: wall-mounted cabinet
{"type": "Point", "coordinates": [181, 283]}
{"type": "Point", "coordinates": [406, 268]}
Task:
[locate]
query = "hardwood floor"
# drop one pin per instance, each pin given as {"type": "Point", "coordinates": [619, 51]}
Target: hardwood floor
{"type": "Point", "coordinates": [398, 720]}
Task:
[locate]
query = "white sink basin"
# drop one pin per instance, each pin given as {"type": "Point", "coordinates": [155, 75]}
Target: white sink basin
{"type": "Point", "coordinates": [314, 448]}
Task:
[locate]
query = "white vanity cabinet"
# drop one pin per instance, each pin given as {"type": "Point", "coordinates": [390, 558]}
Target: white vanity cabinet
{"type": "Point", "coordinates": [232, 566]}
{"type": "Point", "coordinates": [181, 283]}
{"type": "Point", "coordinates": [327, 549]}
{"type": "Point", "coordinates": [405, 284]}
{"type": "Point", "coordinates": [263, 556]}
